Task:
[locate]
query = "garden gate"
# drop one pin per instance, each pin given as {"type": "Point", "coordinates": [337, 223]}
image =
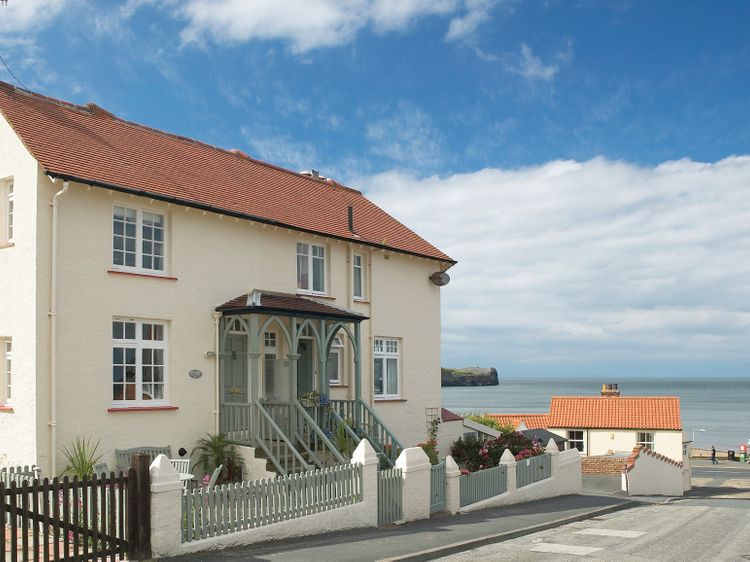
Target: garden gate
{"type": "Point", "coordinates": [390, 495]}
{"type": "Point", "coordinates": [437, 487]}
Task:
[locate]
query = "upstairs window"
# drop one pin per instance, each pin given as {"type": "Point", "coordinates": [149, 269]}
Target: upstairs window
{"type": "Point", "coordinates": [335, 361]}
{"type": "Point", "coordinates": [311, 268]}
{"type": "Point", "coordinates": [358, 276]}
{"type": "Point", "coordinates": [7, 205]}
{"type": "Point", "coordinates": [138, 240]}
{"type": "Point", "coordinates": [139, 362]}
{"type": "Point", "coordinates": [386, 366]}
{"type": "Point", "coordinates": [6, 347]}
{"type": "Point", "coordinates": [646, 440]}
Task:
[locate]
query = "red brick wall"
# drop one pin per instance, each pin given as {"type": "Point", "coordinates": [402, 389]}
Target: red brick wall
{"type": "Point", "coordinates": [604, 465]}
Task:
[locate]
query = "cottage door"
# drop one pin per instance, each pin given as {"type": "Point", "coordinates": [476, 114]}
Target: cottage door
{"type": "Point", "coordinates": [235, 369]}
{"type": "Point", "coordinates": [305, 367]}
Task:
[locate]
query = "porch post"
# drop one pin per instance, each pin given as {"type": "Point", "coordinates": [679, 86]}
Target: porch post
{"type": "Point", "coordinates": [252, 358]}
{"type": "Point", "coordinates": [357, 364]}
{"type": "Point", "coordinates": [323, 359]}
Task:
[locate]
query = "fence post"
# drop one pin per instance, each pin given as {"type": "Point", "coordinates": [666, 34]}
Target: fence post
{"type": "Point", "coordinates": [509, 461]}
{"type": "Point", "coordinates": [139, 509]}
{"type": "Point", "coordinates": [452, 486]}
{"type": "Point", "coordinates": [166, 508]}
{"type": "Point", "coordinates": [554, 458]}
{"type": "Point", "coordinates": [415, 468]}
{"type": "Point", "coordinates": [365, 455]}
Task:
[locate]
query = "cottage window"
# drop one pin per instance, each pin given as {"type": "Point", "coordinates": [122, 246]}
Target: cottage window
{"type": "Point", "coordinates": [311, 268]}
{"type": "Point", "coordinates": [7, 368]}
{"type": "Point", "coordinates": [386, 366]}
{"type": "Point", "coordinates": [335, 360]}
{"type": "Point", "coordinates": [139, 362]}
{"type": "Point", "coordinates": [6, 213]}
{"type": "Point", "coordinates": [138, 240]}
{"type": "Point", "coordinates": [646, 440]}
{"type": "Point", "coordinates": [270, 358]}
{"type": "Point", "coordinates": [358, 277]}
{"type": "Point", "coordinates": [575, 440]}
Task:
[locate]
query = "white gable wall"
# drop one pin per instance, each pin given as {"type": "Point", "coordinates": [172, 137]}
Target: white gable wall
{"type": "Point", "coordinates": [601, 441]}
{"type": "Point", "coordinates": [18, 317]}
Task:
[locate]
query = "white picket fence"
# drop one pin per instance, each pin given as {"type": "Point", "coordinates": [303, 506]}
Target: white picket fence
{"type": "Point", "coordinates": [19, 474]}
{"type": "Point", "coordinates": [234, 507]}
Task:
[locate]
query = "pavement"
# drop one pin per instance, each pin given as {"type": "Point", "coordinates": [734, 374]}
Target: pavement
{"type": "Point", "coordinates": [427, 539]}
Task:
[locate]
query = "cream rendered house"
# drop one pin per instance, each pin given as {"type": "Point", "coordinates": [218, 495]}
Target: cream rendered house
{"type": "Point", "coordinates": [156, 289]}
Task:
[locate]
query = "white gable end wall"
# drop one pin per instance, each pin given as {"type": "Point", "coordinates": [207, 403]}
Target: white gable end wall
{"type": "Point", "coordinates": [19, 317]}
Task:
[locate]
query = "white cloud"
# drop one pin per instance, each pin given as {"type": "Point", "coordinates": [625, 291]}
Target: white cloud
{"type": "Point", "coordinates": [281, 150]}
{"type": "Point", "coordinates": [464, 27]}
{"type": "Point", "coordinates": [312, 24]}
{"type": "Point", "coordinates": [531, 67]}
{"type": "Point", "coordinates": [408, 136]}
{"type": "Point", "coordinates": [30, 15]}
{"type": "Point", "coordinates": [598, 260]}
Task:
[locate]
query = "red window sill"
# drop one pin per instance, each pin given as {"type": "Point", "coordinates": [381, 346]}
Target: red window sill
{"type": "Point", "coordinates": [133, 274]}
{"type": "Point", "coordinates": [379, 400]}
{"type": "Point", "coordinates": [6, 409]}
{"type": "Point", "coordinates": [143, 409]}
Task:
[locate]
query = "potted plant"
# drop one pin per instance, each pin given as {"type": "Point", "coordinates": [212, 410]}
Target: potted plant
{"type": "Point", "coordinates": [314, 398]}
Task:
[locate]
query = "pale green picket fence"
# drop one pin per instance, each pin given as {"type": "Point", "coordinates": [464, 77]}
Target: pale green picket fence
{"type": "Point", "coordinates": [19, 474]}
{"type": "Point", "coordinates": [482, 484]}
{"type": "Point", "coordinates": [533, 470]}
{"type": "Point", "coordinates": [390, 496]}
{"type": "Point", "coordinates": [234, 507]}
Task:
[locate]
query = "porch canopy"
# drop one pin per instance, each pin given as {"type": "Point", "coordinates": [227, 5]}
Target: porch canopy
{"type": "Point", "coordinates": [307, 329]}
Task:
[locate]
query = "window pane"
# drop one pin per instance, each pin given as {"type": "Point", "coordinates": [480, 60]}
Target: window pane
{"type": "Point", "coordinates": [318, 275]}
{"type": "Point", "coordinates": [158, 332]}
{"type": "Point", "coordinates": [129, 330]}
{"type": "Point", "coordinates": [333, 366]}
{"type": "Point", "coordinates": [318, 252]}
{"type": "Point", "coordinates": [357, 282]}
{"type": "Point", "coordinates": [378, 376]}
{"type": "Point", "coordinates": [130, 356]}
{"type": "Point", "coordinates": [117, 355]}
{"type": "Point", "coordinates": [147, 331]}
{"type": "Point", "coordinates": [117, 330]}
{"type": "Point", "coordinates": [158, 392]}
{"type": "Point", "coordinates": [392, 375]}
{"type": "Point", "coordinates": [303, 275]}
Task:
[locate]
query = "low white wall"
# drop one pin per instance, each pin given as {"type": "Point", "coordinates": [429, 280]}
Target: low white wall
{"type": "Point", "coordinates": [653, 475]}
{"type": "Point", "coordinates": [254, 468]}
{"type": "Point", "coordinates": [566, 479]}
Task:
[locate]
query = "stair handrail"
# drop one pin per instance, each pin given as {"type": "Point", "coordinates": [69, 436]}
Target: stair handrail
{"type": "Point", "coordinates": [319, 433]}
{"type": "Point", "coordinates": [394, 450]}
{"type": "Point", "coordinates": [281, 436]}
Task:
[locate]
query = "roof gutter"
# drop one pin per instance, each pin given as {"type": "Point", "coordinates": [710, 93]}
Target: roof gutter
{"type": "Point", "coordinates": [234, 214]}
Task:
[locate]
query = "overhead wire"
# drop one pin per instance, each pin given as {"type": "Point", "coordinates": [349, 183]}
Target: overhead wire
{"type": "Point", "coordinates": [18, 81]}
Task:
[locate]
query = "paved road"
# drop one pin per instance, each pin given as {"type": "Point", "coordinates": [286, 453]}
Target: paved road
{"type": "Point", "coordinates": [688, 529]}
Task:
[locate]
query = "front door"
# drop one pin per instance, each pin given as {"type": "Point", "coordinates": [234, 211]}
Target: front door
{"type": "Point", "coordinates": [235, 369]}
{"type": "Point", "coordinates": [305, 367]}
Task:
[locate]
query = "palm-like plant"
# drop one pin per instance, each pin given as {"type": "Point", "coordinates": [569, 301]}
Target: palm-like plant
{"type": "Point", "coordinates": [215, 450]}
{"type": "Point", "coordinates": [81, 457]}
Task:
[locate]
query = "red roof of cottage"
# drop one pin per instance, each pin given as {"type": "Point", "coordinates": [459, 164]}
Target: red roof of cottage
{"type": "Point", "coordinates": [531, 421]}
{"type": "Point", "coordinates": [615, 412]}
{"type": "Point", "coordinates": [90, 145]}
{"type": "Point", "coordinates": [448, 416]}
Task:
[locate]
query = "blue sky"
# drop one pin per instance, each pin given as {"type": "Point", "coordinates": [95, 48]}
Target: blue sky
{"type": "Point", "coordinates": [583, 160]}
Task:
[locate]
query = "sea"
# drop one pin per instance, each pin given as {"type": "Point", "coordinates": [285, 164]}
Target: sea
{"type": "Point", "coordinates": [714, 411]}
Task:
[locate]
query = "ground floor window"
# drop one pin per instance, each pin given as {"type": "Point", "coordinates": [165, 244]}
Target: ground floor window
{"type": "Point", "coordinates": [386, 357]}
{"type": "Point", "coordinates": [575, 440]}
{"type": "Point", "coordinates": [6, 348]}
{"type": "Point", "coordinates": [646, 440]}
{"type": "Point", "coordinates": [270, 360]}
{"type": "Point", "coordinates": [139, 362]}
{"type": "Point", "coordinates": [335, 361]}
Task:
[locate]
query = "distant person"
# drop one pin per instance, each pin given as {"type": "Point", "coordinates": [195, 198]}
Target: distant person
{"type": "Point", "coordinates": [713, 455]}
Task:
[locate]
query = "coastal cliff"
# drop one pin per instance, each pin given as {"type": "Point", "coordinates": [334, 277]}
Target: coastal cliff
{"type": "Point", "coordinates": [469, 376]}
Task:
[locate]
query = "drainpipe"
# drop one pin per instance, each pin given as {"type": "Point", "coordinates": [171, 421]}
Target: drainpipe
{"type": "Point", "coordinates": [217, 387]}
{"type": "Point", "coordinates": [53, 330]}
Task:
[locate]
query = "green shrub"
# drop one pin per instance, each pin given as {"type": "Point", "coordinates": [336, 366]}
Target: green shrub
{"type": "Point", "coordinates": [215, 450]}
{"type": "Point", "coordinates": [474, 454]}
{"type": "Point", "coordinates": [484, 419]}
{"type": "Point", "coordinates": [81, 457]}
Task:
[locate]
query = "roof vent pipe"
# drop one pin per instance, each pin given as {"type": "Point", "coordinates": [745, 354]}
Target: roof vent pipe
{"type": "Point", "coordinates": [350, 211]}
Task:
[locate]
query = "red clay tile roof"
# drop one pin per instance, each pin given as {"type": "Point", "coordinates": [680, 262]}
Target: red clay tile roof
{"type": "Point", "coordinates": [447, 415]}
{"type": "Point", "coordinates": [286, 303]}
{"type": "Point", "coordinates": [615, 412]}
{"type": "Point", "coordinates": [89, 144]}
{"type": "Point", "coordinates": [532, 421]}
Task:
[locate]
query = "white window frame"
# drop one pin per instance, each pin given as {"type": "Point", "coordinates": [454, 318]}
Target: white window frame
{"type": "Point", "coordinates": [572, 441]}
{"type": "Point", "coordinates": [139, 254]}
{"type": "Point", "coordinates": [383, 350]}
{"type": "Point", "coordinates": [642, 439]}
{"type": "Point", "coordinates": [337, 348]}
{"type": "Point", "coordinates": [7, 369]}
{"type": "Point", "coordinates": [9, 211]}
{"type": "Point", "coordinates": [270, 352]}
{"type": "Point", "coordinates": [140, 344]}
{"type": "Point", "coordinates": [359, 293]}
{"type": "Point", "coordinates": [308, 246]}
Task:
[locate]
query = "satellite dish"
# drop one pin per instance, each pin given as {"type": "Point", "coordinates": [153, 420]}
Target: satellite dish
{"type": "Point", "coordinates": [440, 278]}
